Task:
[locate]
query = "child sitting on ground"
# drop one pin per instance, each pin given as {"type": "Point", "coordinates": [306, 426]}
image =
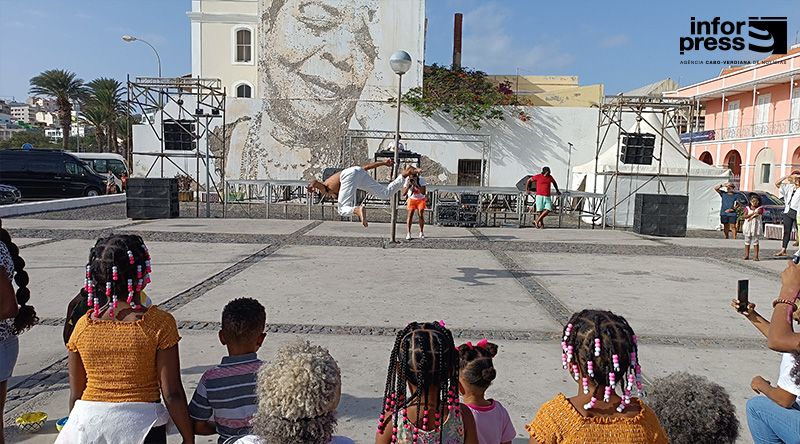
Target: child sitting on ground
{"type": "Point", "coordinates": [420, 402]}
{"type": "Point", "coordinates": [774, 417]}
{"type": "Point", "coordinates": [225, 401]}
{"type": "Point", "coordinates": [298, 393]}
{"type": "Point", "coordinates": [476, 374]}
{"type": "Point", "coordinates": [599, 350]}
{"type": "Point", "coordinates": [751, 228]}
{"type": "Point", "coordinates": [693, 409]}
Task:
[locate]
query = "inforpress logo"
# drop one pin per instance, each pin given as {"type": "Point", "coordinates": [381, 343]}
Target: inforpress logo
{"type": "Point", "coordinates": [760, 34]}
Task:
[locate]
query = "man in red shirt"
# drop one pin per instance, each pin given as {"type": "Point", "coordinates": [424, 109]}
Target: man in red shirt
{"type": "Point", "coordinates": [544, 204]}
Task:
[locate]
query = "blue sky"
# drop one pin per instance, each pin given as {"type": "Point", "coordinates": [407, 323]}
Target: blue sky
{"type": "Point", "coordinates": [619, 43]}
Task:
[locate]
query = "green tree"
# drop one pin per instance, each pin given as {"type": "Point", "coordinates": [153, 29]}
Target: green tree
{"type": "Point", "coordinates": [66, 88]}
{"type": "Point", "coordinates": [465, 94]}
{"type": "Point", "coordinates": [34, 136]}
{"type": "Point", "coordinates": [104, 109]}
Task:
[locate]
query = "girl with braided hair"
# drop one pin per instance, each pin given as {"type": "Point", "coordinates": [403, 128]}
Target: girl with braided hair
{"type": "Point", "coordinates": [600, 351]}
{"type": "Point", "coordinates": [476, 373]}
{"type": "Point", "coordinates": [420, 402]}
{"type": "Point", "coordinates": [123, 357]}
{"type": "Point", "coordinates": [15, 315]}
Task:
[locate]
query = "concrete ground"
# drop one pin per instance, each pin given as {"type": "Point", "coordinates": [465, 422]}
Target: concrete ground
{"type": "Point", "coordinates": [346, 288]}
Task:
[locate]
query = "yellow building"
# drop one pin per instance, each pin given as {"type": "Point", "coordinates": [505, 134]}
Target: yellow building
{"type": "Point", "coordinates": [551, 90]}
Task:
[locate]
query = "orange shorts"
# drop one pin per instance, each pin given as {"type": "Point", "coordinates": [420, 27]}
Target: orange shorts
{"type": "Point", "coordinates": [416, 204]}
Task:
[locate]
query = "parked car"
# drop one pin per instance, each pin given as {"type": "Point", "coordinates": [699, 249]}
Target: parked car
{"type": "Point", "coordinates": [9, 195]}
{"type": "Point", "coordinates": [772, 204]}
{"type": "Point", "coordinates": [39, 173]}
{"type": "Point", "coordinates": [102, 163]}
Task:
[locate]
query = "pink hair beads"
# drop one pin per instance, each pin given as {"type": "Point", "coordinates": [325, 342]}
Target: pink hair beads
{"type": "Point", "coordinates": [589, 405]}
{"type": "Point", "coordinates": [590, 368]}
{"type": "Point", "coordinates": [615, 360]}
{"type": "Point", "coordinates": [585, 386]}
{"type": "Point", "coordinates": [596, 347]}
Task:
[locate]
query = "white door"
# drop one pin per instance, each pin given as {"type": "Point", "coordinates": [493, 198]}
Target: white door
{"type": "Point", "coordinates": [732, 130]}
{"type": "Point", "coordinates": [761, 127]}
{"type": "Point", "coordinates": [794, 124]}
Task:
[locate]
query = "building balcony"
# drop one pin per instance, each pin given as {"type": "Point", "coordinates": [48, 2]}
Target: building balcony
{"type": "Point", "coordinates": [779, 128]}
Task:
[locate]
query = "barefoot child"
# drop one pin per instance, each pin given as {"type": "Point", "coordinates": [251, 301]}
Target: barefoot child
{"type": "Point", "coordinates": [476, 374]}
{"type": "Point", "coordinates": [343, 186]}
{"type": "Point", "coordinates": [420, 403]}
{"type": "Point", "coordinates": [751, 228]}
{"type": "Point", "coordinates": [599, 350]}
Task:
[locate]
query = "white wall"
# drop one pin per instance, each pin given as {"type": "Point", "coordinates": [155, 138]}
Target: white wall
{"type": "Point", "coordinates": [517, 147]}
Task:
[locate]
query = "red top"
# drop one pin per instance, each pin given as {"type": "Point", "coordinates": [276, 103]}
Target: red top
{"type": "Point", "coordinates": [542, 184]}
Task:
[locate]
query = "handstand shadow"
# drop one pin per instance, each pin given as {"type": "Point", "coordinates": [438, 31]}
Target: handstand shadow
{"type": "Point", "coordinates": [480, 276]}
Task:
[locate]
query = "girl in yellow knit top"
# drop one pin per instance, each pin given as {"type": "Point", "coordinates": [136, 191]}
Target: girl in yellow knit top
{"type": "Point", "coordinates": [599, 350]}
{"type": "Point", "coordinates": [123, 358]}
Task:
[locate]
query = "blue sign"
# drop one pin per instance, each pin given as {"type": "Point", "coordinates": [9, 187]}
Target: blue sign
{"type": "Point", "coordinates": [698, 136]}
{"type": "Point", "coordinates": [27, 146]}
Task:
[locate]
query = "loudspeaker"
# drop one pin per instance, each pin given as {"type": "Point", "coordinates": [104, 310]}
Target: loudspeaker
{"type": "Point", "coordinates": [660, 215]}
{"type": "Point", "coordinates": [152, 198]}
{"type": "Point", "coordinates": [637, 148]}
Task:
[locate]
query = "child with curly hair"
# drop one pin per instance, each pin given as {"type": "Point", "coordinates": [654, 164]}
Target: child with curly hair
{"type": "Point", "coordinates": [476, 373]}
{"type": "Point", "coordinates": [709, 417]}
{"type": "Point", "coordinates": [599, 350]}
{"type": "Point", "coordinates": [225, 401]}
{"type": "Point", "coordinates": [298, 393]}
{"type": "Point", "coordinates": [420, 402]}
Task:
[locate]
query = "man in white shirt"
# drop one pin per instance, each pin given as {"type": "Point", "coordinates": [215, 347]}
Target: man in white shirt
{"type": "Point", "coordinates": [399, 143]}
{"type": "Point", "coordinates": [789, 192]}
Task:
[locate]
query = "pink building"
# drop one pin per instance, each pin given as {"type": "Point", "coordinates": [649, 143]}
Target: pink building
{"type": "Point", "coordinates": [752, 120]}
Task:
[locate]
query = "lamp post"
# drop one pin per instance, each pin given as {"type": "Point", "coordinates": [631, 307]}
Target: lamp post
{"type": "Point", "coordinates": [130, 38]}
{"type": "Point", "coordinates": [400, 62]}
{"type": "Point", "coordinates": [569, 164]}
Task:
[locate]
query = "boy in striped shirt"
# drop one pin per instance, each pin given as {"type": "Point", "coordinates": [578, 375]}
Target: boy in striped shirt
{"type": "Point", "coordinates": [225, 400]}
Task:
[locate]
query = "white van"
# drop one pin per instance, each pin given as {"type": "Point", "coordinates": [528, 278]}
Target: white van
{"type": "Point", "coordinates": [102, 163]}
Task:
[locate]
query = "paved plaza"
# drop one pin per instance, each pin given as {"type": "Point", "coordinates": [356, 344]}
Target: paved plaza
{"type": "Point", "coordinates": [348, 289]}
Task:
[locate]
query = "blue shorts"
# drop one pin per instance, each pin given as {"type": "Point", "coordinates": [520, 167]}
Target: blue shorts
{"type": "Point", "coordinates": [729, 218]}
{"type": "Point", "coordinates": [544, 203]}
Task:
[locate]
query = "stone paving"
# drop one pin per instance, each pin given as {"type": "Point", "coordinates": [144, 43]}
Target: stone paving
{"type": "Point", "coordinates": [348, 289]}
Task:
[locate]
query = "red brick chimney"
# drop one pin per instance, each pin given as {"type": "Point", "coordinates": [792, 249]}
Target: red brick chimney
{"type": "Point", "coordinates": [457, 40]}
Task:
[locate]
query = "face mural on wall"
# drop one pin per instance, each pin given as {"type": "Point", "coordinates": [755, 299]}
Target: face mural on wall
{"type": "Point", "coordinates": [315, 57]}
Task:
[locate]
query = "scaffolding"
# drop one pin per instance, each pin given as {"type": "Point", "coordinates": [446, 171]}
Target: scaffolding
{"type": "Point", "coordinates": [676, 114]}
{"type": "Point", "coordinates": [160, 99]}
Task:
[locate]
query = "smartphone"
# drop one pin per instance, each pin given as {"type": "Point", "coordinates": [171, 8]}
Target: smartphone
{"type": "Point", "coordinates": [744, 290]}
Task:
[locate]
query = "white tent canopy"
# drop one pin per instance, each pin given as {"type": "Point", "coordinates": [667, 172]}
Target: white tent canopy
{"type": "Point", "coordinates": [670, 177]}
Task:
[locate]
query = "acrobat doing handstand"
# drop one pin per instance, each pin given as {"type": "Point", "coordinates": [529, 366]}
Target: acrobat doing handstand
{"type": "Point", "coordinates": [343, 186]}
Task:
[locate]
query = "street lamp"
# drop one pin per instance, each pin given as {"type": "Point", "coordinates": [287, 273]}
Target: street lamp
{"type": "Point", "coordinates": [400, 62]}
{"type": "Point", "coordinates": [130, 38]}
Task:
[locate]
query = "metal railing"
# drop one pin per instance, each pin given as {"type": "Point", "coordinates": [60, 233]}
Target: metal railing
{"type": "Point", "coordinates": [777, 128]}
{"type": "Point", "coordinates": [781, 127]}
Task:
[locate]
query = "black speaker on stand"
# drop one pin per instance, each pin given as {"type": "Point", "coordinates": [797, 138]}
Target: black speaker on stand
{"type": "Point", "coordinates": [637, 148]}
{"type": "Point", "coordinates": [661, 215]}
{"type": "Point", "coordinates": [152, 198]}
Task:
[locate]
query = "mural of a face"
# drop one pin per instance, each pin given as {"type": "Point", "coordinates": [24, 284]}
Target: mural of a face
{"type": "Point", "coordinates": [316, 56]}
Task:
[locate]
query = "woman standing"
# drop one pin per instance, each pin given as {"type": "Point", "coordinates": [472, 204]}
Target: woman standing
{"type": "Point", "coordinates": [15, 315]}
{"type": "Point", "coordinates": [123, 357]}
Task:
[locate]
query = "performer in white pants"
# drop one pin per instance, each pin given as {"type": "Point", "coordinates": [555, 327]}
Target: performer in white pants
{"type": "Point", "coordinates": [343, 186]}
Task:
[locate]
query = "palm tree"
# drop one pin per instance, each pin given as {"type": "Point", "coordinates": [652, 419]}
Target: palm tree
{"type": "Point", "coordinates": [96, 117]}
{"type": "Point", "coordinates": [106, 100]}
{"type": "Point", "coordinates": [65, 87]}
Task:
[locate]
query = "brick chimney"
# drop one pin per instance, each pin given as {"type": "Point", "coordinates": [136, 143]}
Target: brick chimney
{"type": "Point", "coordinates": [459, 18]}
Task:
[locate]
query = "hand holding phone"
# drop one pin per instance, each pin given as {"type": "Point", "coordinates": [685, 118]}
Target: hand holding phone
{"type": "Point", "coordinates": [742, 295]}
